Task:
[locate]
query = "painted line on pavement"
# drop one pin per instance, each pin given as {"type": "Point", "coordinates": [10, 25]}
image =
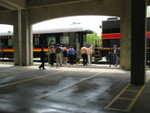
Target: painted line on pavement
{"type": "Point", "coordinates": [13, 73]}
{"type": "Point", "coordinates": [29, 79]}
{"type": "Point", "coordinates": [133, 100]}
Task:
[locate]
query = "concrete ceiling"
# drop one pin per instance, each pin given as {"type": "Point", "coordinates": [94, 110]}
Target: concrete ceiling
{"type": "Point", "coordinates": [3, 8]}
{"type": "Point", "coordinates": [7, 5]}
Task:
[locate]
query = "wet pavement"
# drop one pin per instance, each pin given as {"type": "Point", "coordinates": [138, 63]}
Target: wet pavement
{"type": "Point", "coordinates": [70, 89]}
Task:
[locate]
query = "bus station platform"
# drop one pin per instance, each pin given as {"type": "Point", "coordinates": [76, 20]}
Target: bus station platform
{"type": "Point", "coordinates": [71, 89]}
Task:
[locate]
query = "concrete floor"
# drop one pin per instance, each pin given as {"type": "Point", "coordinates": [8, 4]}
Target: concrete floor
{"type": "Point", "coordinates": [70, 90]}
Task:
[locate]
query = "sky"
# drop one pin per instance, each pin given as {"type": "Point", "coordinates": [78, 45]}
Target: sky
{"type": "Point", "coordinates": [85, 22]}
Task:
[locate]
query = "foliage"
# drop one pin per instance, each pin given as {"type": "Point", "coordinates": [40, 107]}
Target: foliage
{"type": "Point", "coordinates": [93, 39]}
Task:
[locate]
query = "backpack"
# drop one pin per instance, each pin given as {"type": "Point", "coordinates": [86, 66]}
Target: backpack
{"type": "Point", "coordinates": [58, 50]}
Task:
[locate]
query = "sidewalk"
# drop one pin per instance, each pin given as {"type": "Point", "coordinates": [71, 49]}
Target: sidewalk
{"type": "Point", "coordinates": [82, 66]}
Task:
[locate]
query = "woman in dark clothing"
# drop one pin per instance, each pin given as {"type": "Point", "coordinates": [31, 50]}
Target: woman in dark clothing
{"type": "Point", "coordinates": [52, 55]}
{"type": "Point", "coordinates": [42, 59]}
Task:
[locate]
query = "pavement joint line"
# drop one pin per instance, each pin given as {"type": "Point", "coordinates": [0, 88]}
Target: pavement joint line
{"type": "Point", "coordinates": [56, 91]}
{"type": "Point", "coordinates": [29, 79]}
{"type": "Point", "coordinates": [133, 100]}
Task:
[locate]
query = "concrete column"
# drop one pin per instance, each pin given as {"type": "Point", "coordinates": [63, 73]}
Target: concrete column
{"type": "Point", "coordinates": [27, 56]}
{"type": "Point", "coordinates": [17, 40]}
{"type": "Point", "coordinates": [125, 58]}
{"type": "Point", "coordinates": [138, 21]}
{"type": "Point", "coordinates": [23, 45]}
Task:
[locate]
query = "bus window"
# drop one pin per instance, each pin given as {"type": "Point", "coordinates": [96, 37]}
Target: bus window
{"type": "Point", "coordinates": [10, 42]}
{"type": "Point", "coordinates": [64, 40]}
{"type": "Point", "coordinates": [36, 41]}
{"type": "Point", "coordinates": [51, 40]}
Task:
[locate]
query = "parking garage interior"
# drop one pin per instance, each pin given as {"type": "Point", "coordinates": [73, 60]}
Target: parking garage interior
{"type": "Point", "coordinates": [75, 89]}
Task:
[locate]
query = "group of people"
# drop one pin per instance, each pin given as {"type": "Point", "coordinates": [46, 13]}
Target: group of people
{"type": "Point", "coordinates": [61, 55]}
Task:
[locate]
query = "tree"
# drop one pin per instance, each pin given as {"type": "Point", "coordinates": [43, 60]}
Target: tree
{"type": "Point", "coordinates": [94, 39]}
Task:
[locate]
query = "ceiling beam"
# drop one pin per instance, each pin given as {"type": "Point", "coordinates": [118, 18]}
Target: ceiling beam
{"type": "Point", "coordinates": [42, 3]}
{"type": "Point", "coordinates": [7, 6]}
{"type": "Point", "coordinates": [11, 5]}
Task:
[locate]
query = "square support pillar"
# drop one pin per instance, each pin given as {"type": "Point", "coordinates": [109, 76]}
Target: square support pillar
{"type": "Point", "coordinates": [23, 40]}
{"type": "Point", "coordinates": [17, 40]}
{"type": "Point", "coordinates": [138, 41]}
{"type": "Point", "coordinates": [125, 29]}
